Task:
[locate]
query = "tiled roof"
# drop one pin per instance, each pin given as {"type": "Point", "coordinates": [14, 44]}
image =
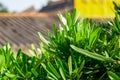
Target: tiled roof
{"type": "Point", "coordinates": [20, 30]}
{"type": "Point", "coordinates": [59, 5]}
{"type": "Point", "coordinates": [30, 10]}
{"type": "Point", "coordinates": [51, 3]}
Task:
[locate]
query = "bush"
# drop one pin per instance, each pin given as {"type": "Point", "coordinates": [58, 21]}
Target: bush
{"type": "Point", "coordinates": [21, 66]}
{"type": "Point", "coordinates": [77, 50]}
{"type": "Point", "coordinates": [97, 44]}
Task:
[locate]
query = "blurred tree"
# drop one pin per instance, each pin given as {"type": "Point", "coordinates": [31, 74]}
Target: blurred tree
{"type": "Point", "coordinates": [3, 8]}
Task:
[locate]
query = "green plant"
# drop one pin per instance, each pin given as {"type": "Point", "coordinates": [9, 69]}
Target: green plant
{"type": "Point", "coordinates": [73, 31]}
{"type": "Point", "coordinates": [97, 43]}
{"type": "Point", "coordinates": [64, 70]}
{"type": "Point", "coordinates": [110, 54]}
{"type": "Point", "coordinates": [116, 7]}
{"type": "Point", "coordinates": [20, 66]}
{"type": "Point", "coordinates": [77, 50]}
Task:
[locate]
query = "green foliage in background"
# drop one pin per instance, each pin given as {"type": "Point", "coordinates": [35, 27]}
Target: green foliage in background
{"type": "Point", "coordinates": [76, 50]}
{"type": "Point", "coordinates": [3, 9]}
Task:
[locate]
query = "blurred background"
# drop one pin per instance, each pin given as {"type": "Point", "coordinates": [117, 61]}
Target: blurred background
{"type": "Point", "coordinates": [38, 5]}
{"type": "Point", "coordinates": [20, 20]}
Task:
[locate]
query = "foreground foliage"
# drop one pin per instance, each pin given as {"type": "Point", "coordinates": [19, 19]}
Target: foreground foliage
{"type": "Point", "coordinates": [93, 49]}
{"type": "Point", "coordinates": [20, 66]}
{"type": "Point", "coordinates": [77, 50]}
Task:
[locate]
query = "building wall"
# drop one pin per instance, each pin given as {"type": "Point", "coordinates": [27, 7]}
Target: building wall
{"type": "Point", "coordinates": [95, 8]}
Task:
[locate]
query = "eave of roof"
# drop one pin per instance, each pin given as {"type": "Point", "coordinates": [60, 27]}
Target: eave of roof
{"type": "Point", "coordinates": [25, 15]}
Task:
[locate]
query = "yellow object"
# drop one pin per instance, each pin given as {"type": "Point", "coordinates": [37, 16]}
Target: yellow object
{"type": "Point", "coordinates": [95, 8]}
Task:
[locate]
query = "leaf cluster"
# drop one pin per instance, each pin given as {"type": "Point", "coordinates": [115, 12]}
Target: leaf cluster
{"type": "Point", "coordinates": [77, 50]}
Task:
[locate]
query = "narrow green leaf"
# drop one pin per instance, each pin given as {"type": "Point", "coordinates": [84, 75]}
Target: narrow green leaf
{"type": "Point", "coordinates": [2, 61]}
{"type": "Point", "coordinates": [62, 19]}
{"type": "Point", "coordinates": [102, 77]}
{"type": "Point", "coordinates": [81, 66]}
{"type": "Point", "coordinates": [53, 70]}
{"type": "Point", "coordinates": [62, 73]}
{"type": "Point", "coordinates": [20, 72]}
{"type": "Point", "coordinates": [92, 55]}
{"type": "Point", "coordinates": [28, 74]}
{"type": "Point", "coordinates": [52, 75]}
{"type": "Point", "coordinates": [18, 53]}
{"type": "Point", "coordinates": [68, 19]}
{"type": "Point", "coordinates": [24, 61]}
{"type": "Point", "coordinates": [73, 16]}
{"type": "Point", "coordinates": [70, 65]}
{"type": "Point", "coordinates": [74, 62]}
{"type": "Point", "coordinates": [94, 36]}
{"type": "Point", "coordinates": [10, 75]}
{"type": "Point", "coordinates": [33, 62]}
{"type": "Point", "coordinates": [61, 69]}
{"type": "Point", "coordinates": [113, 76]}
{"type": "Point", "coordinates": [42, 38]}
{"type": "Point", "coordinates": [34, 72]}
{"type": "Point", "coordinates": [55, 30]}
{"type": "Point", "coordinates": [79, 75]}
{"type": "Point", "coordinates": [39, 62]}
{"type": "Point", "coordinates": [50, 78]}
{"type": "Point", "coordinates": [117, 21]}
{"type": "Point", "coordinates": [7, 48]}
{"type": "Point", "coordinates": [33, 47]}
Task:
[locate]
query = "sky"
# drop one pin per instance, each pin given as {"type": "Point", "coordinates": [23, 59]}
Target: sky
{"type": "Point", "coordinates": [21, 5]}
